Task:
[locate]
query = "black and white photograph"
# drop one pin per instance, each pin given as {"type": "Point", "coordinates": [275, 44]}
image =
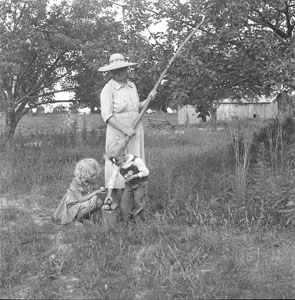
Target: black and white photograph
{"type": "Point", "coordinates": [147, 149]}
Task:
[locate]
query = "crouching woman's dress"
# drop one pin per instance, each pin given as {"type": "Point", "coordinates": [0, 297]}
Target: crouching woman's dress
{"type": "Point", "coordinates": [69, 206]}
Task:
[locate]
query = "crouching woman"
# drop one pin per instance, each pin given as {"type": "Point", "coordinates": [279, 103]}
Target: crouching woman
{"type": "Point", "coordinates": [80, 200]}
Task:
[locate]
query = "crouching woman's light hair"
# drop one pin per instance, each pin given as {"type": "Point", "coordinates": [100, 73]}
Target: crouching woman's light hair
{"type": "Point", "coordinates": [84, 167]}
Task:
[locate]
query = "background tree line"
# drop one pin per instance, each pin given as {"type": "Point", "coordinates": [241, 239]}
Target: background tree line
{"type": "Point", "coordinates": [244, 49]}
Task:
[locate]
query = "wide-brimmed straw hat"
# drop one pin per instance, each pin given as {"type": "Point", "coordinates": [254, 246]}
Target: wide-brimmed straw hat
{"type": "Point", "coordinates": [117, 61]}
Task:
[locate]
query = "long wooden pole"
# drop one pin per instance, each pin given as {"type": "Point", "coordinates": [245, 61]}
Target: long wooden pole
{"type": "Point", "coordinates": [148, 100]}
{"type": "Point", "coordinates": [143, 110]}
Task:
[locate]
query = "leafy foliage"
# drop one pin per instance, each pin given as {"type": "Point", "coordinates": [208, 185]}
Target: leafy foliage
{"type": "Point", "coordinates": [244, 49]}
{"type": "Point", "coordinates": [48, 48]}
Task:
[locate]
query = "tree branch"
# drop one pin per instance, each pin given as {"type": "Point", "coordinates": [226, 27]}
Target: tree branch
{"type": "Point", "coordinates": [263, 21]}
{"type": "Point", "coordinates": [289, 25]}
{"type": "Point", "coordinates": [19, 78]}
{"type": "Point", "coordinates": [38, 85]}
{"type": "Point", "coordinates": [28, 95]}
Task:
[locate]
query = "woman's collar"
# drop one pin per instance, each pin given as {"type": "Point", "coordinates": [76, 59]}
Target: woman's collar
{"type": "Point", "coordinates": [118, 85]}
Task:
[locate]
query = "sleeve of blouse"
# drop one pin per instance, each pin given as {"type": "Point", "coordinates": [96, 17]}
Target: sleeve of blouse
{"type": "Point", "coordinates": [76, 186]}
{"type": "Point", "coordinates": [143, 170]}
{"type": "Point", "coordinates": [106, 103]}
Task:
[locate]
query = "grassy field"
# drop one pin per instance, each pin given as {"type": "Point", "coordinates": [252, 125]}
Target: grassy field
{"type": "Point", "coordinates": [216, 226]}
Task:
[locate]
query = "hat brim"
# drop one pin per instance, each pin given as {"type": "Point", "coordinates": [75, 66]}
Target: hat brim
{"type": "Point", "coordinates": [116, 65]}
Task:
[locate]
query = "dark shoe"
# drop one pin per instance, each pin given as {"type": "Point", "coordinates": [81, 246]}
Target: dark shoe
{"type": "Point", "coordinates": [141, 215]}
{"type": "Point", "coordinates": [131, 219]}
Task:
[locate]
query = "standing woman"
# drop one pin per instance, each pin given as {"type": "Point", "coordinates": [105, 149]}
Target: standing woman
{"type": "Point", "coordinates": [120, 106]}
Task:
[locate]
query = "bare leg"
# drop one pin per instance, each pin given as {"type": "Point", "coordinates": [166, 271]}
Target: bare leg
{"type": "Point", "coordinates": [94, 204]}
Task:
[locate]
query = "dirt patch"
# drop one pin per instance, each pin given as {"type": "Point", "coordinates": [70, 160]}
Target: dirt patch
{"type": "Point", "coordinates": [28, 204]}
{"type": "Point", "coordinates": [12, 210]}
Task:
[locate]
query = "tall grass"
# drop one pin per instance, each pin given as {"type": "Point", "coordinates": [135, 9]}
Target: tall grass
{"type": "Point", "coordinates": [265, 180]}
{"type": "Point", "coordinates": [204, 237]}
{"type": "Point", "coordinates": [48, 158]}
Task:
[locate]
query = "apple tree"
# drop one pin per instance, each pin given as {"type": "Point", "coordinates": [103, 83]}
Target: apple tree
{"type": "Point", "coordinates": [43, 46]}
{"type": "Point", "coordinates": [244, 48]}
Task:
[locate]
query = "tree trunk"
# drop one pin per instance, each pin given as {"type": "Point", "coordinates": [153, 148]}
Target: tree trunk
{"type": "Point", "coordinates": [213, 120]}
{"type": "Point", "coordinates": [9, 128]}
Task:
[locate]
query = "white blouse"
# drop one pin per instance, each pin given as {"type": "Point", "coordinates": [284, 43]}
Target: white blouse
{"type": "Point", "coordinates": [117, 98]}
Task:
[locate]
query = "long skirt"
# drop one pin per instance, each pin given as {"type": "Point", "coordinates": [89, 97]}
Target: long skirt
{"type": "Point", "coordinates": [135, 145]}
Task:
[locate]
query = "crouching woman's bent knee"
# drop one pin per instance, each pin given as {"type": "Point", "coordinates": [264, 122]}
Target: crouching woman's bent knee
{"type": "Point", "coordinates": [89, 207]}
